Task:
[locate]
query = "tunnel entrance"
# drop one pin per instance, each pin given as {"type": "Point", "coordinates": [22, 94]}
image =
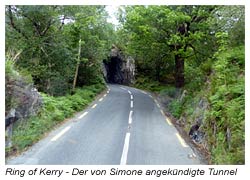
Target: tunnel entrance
{"type": "Point", "coordinates": [118, 68]}
{"type": "Point", "coordinates": [114, 70]}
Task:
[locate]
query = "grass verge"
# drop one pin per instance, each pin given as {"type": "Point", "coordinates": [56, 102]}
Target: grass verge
{"type": "Point", "coordinates": [54, 111]}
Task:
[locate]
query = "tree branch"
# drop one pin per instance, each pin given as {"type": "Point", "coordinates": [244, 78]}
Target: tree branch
{"type": "Point", "coordinates": [47, 27]}
{"type": "Point", "coordinates": [13, 25]}
{"type": "Point", "coordinates": [33, 22]}
{"type": "Point", "coordinates": [196, 51]}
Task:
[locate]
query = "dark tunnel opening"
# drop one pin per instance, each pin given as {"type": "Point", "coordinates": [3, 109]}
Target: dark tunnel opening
{"type": "Point", "coordinates": [114, 70]}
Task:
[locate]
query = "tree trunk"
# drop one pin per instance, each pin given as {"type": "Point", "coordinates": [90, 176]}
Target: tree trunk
{"type": "Point", "coordinates": [77, 65]}
{"type": "Point", "coordinates": [158, 69]}
{"type": "Point", "coordinates": [179, 71]}
{"type": "Point", "coordinates": [179, 60]}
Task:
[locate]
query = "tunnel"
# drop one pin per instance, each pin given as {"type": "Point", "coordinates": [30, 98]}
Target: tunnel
{"type": "Point", "coordinates": [113, 68]}
{"type": "Point", "coordinates": [118, 68]}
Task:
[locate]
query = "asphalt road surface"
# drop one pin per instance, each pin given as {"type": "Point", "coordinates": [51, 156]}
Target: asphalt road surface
{"type": "Point", "coordinates": [124, 126]}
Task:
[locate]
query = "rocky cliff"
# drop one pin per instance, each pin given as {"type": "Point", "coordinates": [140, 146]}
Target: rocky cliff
{"type": "Point", "coordinates": [118, 68]}
{"type": "Point", "coordinates": [22, 99]}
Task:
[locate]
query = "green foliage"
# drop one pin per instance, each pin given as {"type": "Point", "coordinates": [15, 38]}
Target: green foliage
{"type": "Point", "coordinates": [230, 19]}
{"type": "Point", "coordinates": [160, 35]}
{"type": "Point", "coordinates": [169, 91]}
{"type": "Point", "coordinates": [220, 80]}
{"type": "Point", "coordinates": [148, 84]}
{"type": "Point", "coordinates": [9, 69]}
{"type": "Point", "coordinates": [175, 108]}
{"type": "Point", "coordinates": [210, 40]}
{"type": "Point", "coordinates": [195, 77]}
{"type": "Point", "coordinates": [48, 38]}
{"type": "Point", "coordinates": [206, 67]}
{"type": "Point", "coordinates": [214, 70]}
{"type": "Point", "coordinates": [54, 111]}
{"type": "Point", "coordinates": [227, 99]}
{"type": "Point", "coordinates": [12, 73]}
{"type": "Point", "coordinates": [12, 76]}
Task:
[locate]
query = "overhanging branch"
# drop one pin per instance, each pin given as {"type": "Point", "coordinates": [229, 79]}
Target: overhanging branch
{"type": "Point", "coordinates": [13, 25]}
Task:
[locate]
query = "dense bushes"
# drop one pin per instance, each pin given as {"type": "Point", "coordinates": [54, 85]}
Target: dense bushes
{"type": "Point", "coordinates": [54, 111]}
{"type": "Point", "coordinates": [47, 51]}
{"type": "Point", "coordinates": [227, 108]}
{"type": "Point", "coordinates": [220, 83]}
{"type": "Point", "coordinates": [215, 97]}
{"type": "Point", "coordinates": [175, 107]}
{"type": "Point", "coordinates": [204, 52]}
{"type": "Point", "coordinates": [48, 37]}
{"type": "Point", "coordinates": [143, 82]}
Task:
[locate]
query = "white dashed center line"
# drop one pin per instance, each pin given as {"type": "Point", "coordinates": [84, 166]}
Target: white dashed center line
{"type": "Point", "coordinates": [61, 133]}
{"type": "Point", "coordinates": [130, 117]}
{"type": "Point", "coordinates": [127, 137]}
{"type": "Point", "coordinates": [131, 104]}
{"type": "Point", "coordinates": [125, 150]}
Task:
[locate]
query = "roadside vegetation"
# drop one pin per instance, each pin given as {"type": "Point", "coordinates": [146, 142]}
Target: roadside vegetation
{"type": "Point", "coordinates": [192, 57]}
{"type": "Point", "coordinates": [54, 111]}
{"type": "Point", "coordinates": [58, 50]}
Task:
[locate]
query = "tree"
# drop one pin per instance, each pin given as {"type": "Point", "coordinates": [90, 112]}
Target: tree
{"type": "Point", "coordinates": [37, 31]}
{"type": "Point", "coordinates": [230, 19]}
{"type": "Point", "coordinates": [91, 27]}
{"type": "Point", "coordinates": [166, 35]}
{"type": "Point", "coordinates": [48, 36]}
{"type": "Point", "coordinates": [77, 64]}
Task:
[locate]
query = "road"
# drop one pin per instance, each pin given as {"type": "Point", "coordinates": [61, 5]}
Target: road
{"type": "Point", "coordinates": [125, 126]}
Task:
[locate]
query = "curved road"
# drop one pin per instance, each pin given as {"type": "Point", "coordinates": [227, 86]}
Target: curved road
{"type": "Point", "coordinates": [125, 126]}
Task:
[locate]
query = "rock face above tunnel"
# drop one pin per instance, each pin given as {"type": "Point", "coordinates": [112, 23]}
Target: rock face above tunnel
{"type": "Point", "coordinates": [119, 69]}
